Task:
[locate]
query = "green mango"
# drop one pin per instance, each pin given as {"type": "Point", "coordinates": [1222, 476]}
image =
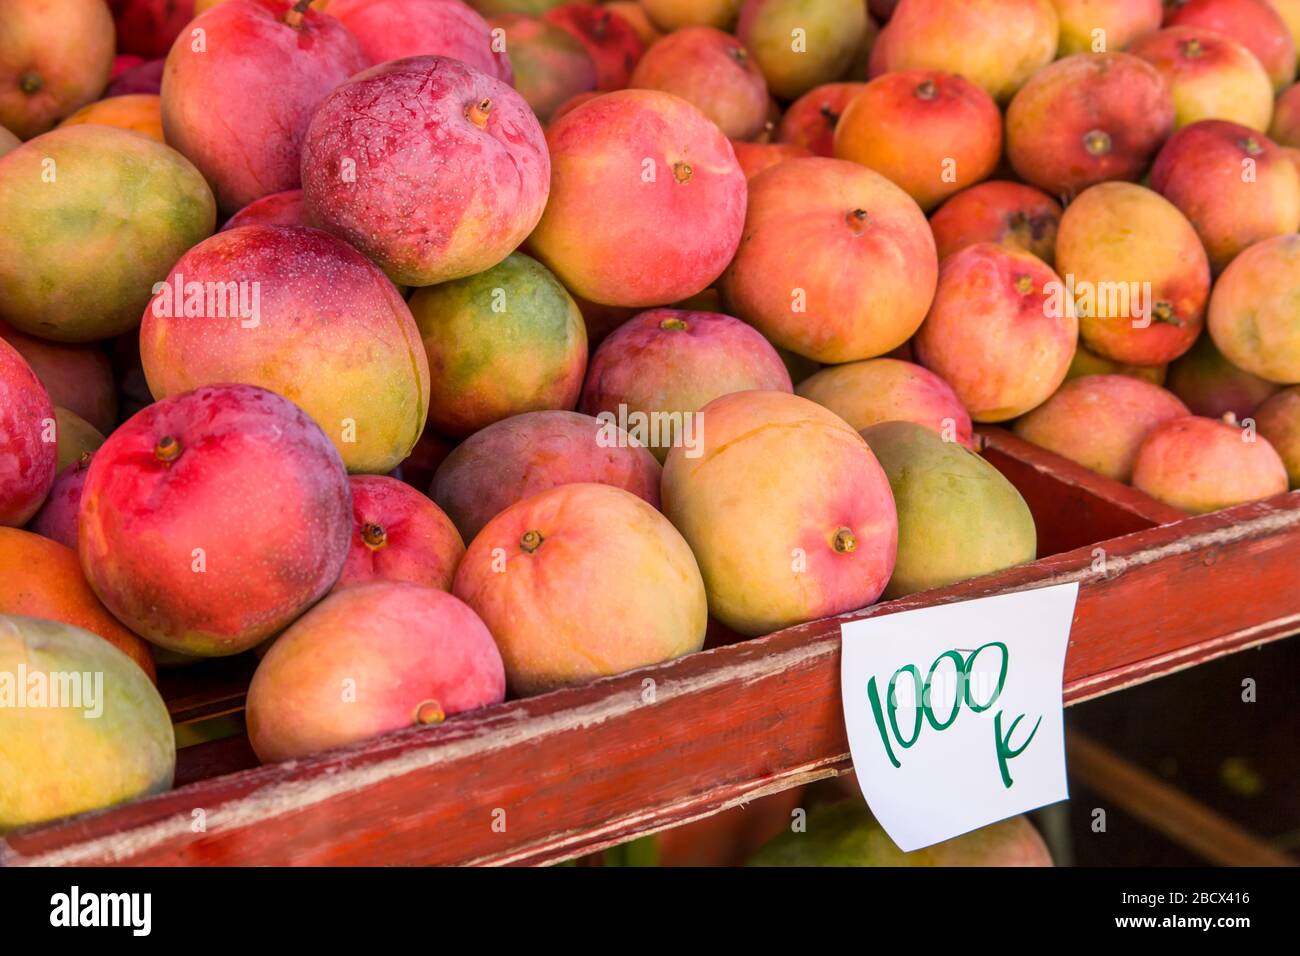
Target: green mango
{"type": "Point", "coordinates": [958, 517]}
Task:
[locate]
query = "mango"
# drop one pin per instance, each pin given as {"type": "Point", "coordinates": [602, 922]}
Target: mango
{"type": "Point", "coordinates": [68, 755]}
{"type": "Point", "coordinates": [958, 517]}
{"type": "Point", "coordinates": [505, 341]}
{"type": "Point", "coordinates": [93, 217]}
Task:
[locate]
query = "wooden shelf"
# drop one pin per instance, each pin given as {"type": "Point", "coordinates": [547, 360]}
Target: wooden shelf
{"type": "Point", "coordinates": [553, 777]}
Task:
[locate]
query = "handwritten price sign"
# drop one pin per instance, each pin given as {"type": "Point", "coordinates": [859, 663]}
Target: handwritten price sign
{"type": "Point", "coordinates": [954, 712]}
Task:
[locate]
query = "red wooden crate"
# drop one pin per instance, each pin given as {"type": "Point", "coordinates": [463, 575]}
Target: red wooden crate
{"type": "Point", "coordinates": [560, 775]}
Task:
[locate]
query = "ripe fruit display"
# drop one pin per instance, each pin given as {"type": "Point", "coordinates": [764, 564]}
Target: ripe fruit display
{"type": "Point", "coordinates": [712, 71]}
{"type": "Point", "coordinates": [664, 365]}
{"type": "Point", "coordinates": [800, 45]}
{"type": "Point", "coordinates": [1140, 293]}
{"type": "Point", "coordinates": [501, 417]}
{"type": "Point", "coordinates": [285, 62]}
{"type": "Point", "coordinates": [930, 133]}
{"type": "Point", "coordinates": [612, 43]}
{"type": "Point", "coordinates": [1253, 24]}
{"type": "Point", "coordinates": [1210, 76]}
{"type": "Point", "coordinates": [74, 437]}
{"type": "Point", "coordinates": [1255, 310]}
{"type": "Point", "coordinates": [74, 269]}
{"type": "Point", "coordinates": [1089, 118]}
{"type": "Point", "coordinates": [1094, 26]}
{"type": "Point", "coordinates": [958, 517]}
{"type": "Point", "coordinates": [527, 454]}
{"type": "Point", "coordinates": [997, 44]}
{"type": "Point", "coordinates": [398, 534]}
{"type": "Point", "coordinates": [137, 112]}
{"type": "Point", "coordinates": [670, 15]}
{"type": "Point", "coordinates": [1232, 183]}
{"type": "Point", "coordinates": [28, 453]}
{"type": "Point", "coordinates": [1202, 464]}
{"type": "Point", "coordinates": [1001, 331]}
{"type": "Point", "coordinates": [274, 306]}
{"type": "Point", "coordinates": [274, 209]}
{"type": "Point", "coordinates": [55, 57]}
{"type": "Point", "coordinates": [213, 518]}
{"type": "Point", "coordinates": [836, 262]}
{"type": "Point", "coordinates": [811, 120]}
{"type": "Point", "coordinates": [429, 167]}
{"type": "Point", "coordinates": [1100, 421]}
{"type": "Point", "coordinates": [410, 656]}
{"type": "Point", "coordinates": [550, 572]}
{"type": "Point", "coordinates": [505, 341]}
{"type": "Point", "coordinates": [43, 579]}
{"type": "Point", "coordinates": [394, 29]}
{"type": "Point", "coordinates": [846, 834]}
{"type": "Point", "coordinates": [1212, 386]}
{"type": "Point", "coordinates": [787, 511]}
{"type": "Point", "coordinates": [887, 390]}
{"type": "Point", "coordinates": [62, 759]}
{"type": "Point", "coordinates": [1285, 128]}
{"type": "Point", "coordinates": [57, 518]}
{"type": "Point", "coordinates": [550, 64]}
{"type": "Point", "coordinates": [647, 173]}
{"type": "Point", "coordinates": [1090, 363]}
{"type": "Point", "coordinates": [1012, 214]}
{"type": "Point", "coordinates": [1278, 420]}
{"type": "Point", "coordinates": [756, 157]}
{"type": "Point", "coordinates": [148, 27]}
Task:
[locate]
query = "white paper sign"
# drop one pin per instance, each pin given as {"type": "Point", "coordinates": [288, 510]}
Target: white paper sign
{"type": "Point", "coordinates": [973, 731]}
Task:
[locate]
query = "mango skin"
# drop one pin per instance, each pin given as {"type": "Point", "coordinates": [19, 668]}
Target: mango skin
{"type": "Point", "coordinates": [889, 389]}
{"type": "Point", "coordinates": [66, 46]}
{"type": "Point", "coordinates": [414, 655]}
{"type": "Point", "coordinates": [834, 30]}
{"type": "Point", "coordinates": [1086, 362]}
{"type": "Point", "coordinates": [1100, 421]}
{"type": "Point", "coordinates": [1254, 315]}
{"type": "Point", "coordinates": [1123, 20]}
{"type": "Point", "coordinates": [332, 334]}
{"type": "Point", "coordinates": [503, 342]}
{"type": "Point", "coordinates": [856, 246]}
{"type": "Point", "coordinates": [787, 511]}
{"type": "Point", "coordinates": [1000, 331]}
{"type": "Point", "coordinates": [56, 761]}
{"type": "Point", "coordinates": [1099, 244]}
{"type": "Point", "coordinates": [1212, 386]}
{"type": "Point", "coordinates": [135, 112]}
{"type": "Point", "coordinates": [28, 460]}
{"type": "Point", "coordinates": [527, 454]}
{"type": "Point", "coordinates": [958, 518]}
{"type": "Point", "coordinates": [647, 174]}
{"type": "Point", "coordinates": [677, 360]}
{"type": "Point", "coordinates": [1210, 76]}
{"type": "Point", "coordinates": [1278, 420]}
{"type": "Point", "coordinates": [79, 255]}
{"type": "Point", "coordinates": [847, 835]}
{"type": "Point", "coordinates": [998, 44]}
{"type": "Point", "coordinates": [77, 377]}
{"type": "Point", "coordinates": [76, 437]}
{"type": "Point", "coordinates": [43, 579]}
{"type": "Point", "coordinates": [600, 555]}
{"type": "Point", "coordinates": [1202, 465]}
